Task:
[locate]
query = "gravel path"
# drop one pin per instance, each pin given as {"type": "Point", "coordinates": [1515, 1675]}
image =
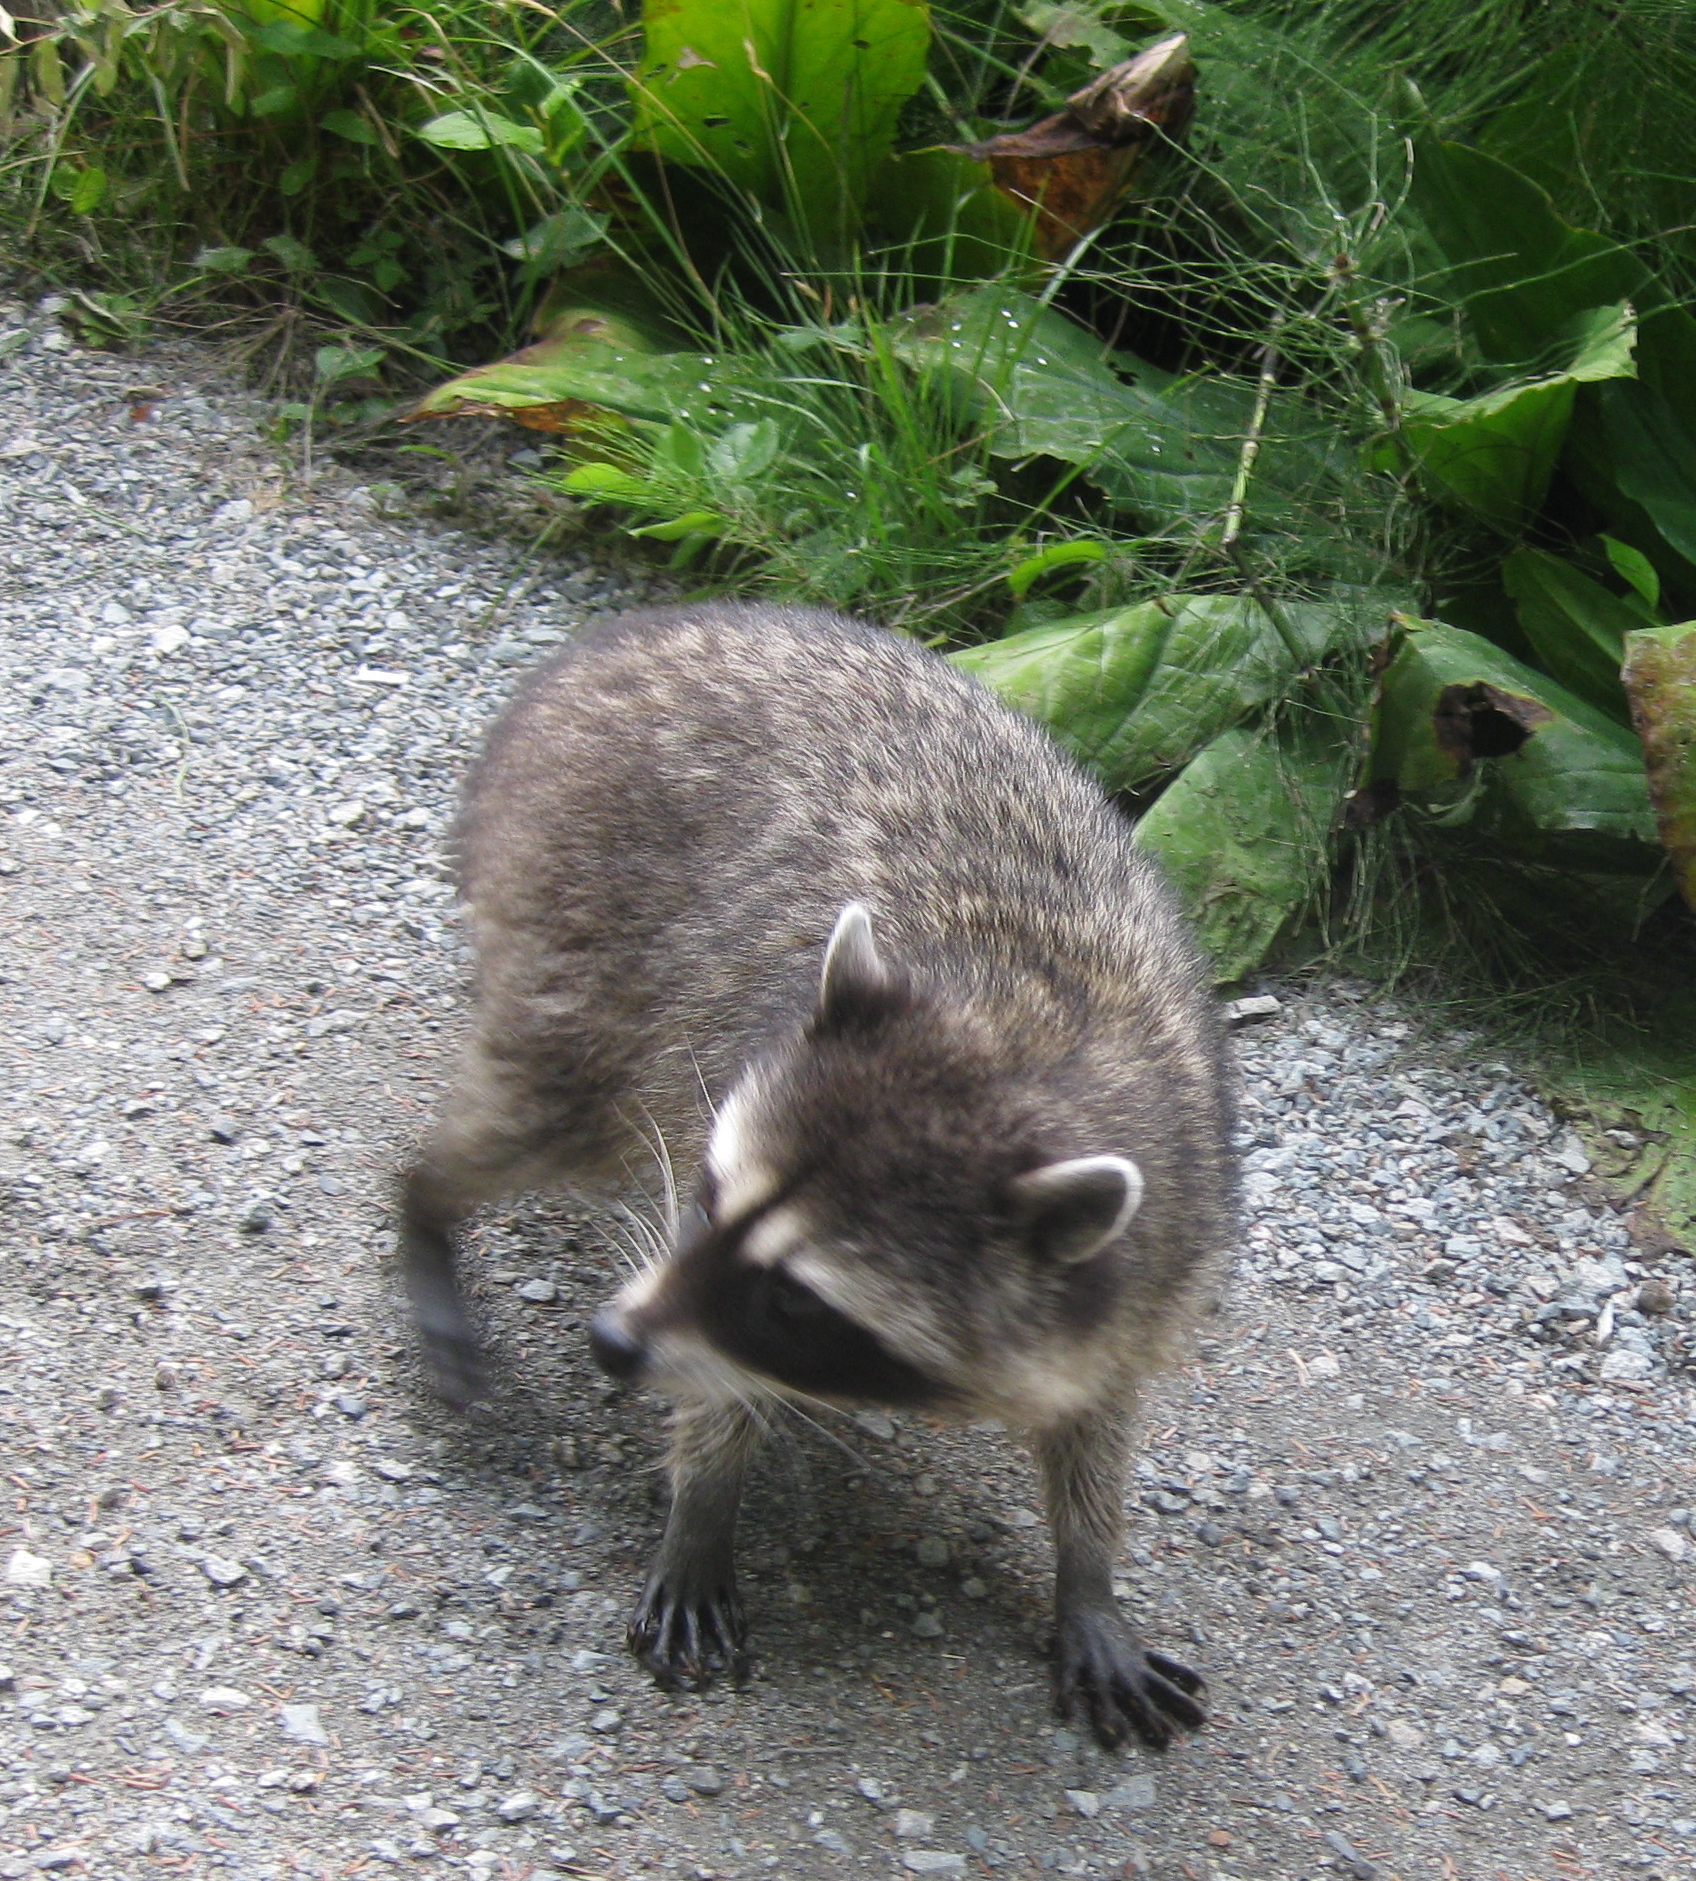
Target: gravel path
{"type": "Point", "coordinates": [1421, 1507]}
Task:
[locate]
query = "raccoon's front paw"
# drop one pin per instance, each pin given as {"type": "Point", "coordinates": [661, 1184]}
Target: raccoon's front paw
{"type": "Point", "coordinates": [687, 1628]}
{"type": "Point", "coordinates": [1125, 1688]}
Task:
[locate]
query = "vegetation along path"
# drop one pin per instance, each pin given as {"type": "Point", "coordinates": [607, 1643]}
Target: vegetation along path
{"type": "Point", "coordinates": [1420, 1506]}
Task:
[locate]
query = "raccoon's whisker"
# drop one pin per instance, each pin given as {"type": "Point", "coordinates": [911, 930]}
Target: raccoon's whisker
{"type": "Point", "coordinates": [792, 1401]}
{"type": "Point", "coordinates": [644, 1241]}
{"type": "Point", "coordinates": [668, 1177]}
{"type": "Point", "coordinates": [625, 1246]}
{"type": "Point", "coordinates": [659, 1154]}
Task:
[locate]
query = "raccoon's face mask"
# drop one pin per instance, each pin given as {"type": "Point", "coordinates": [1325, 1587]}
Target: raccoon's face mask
{"type": "Point", "coordinates": [723, 1299]}
{"type": "Point", "coordinates": [849, 1269]}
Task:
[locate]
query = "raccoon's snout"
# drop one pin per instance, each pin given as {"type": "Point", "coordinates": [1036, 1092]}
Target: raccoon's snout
{"type": "Point", "coordinates": [618, 1352]}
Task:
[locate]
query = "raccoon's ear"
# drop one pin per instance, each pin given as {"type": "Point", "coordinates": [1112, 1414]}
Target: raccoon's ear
{"type": "Point", "coordinates": [855, 981]}
{"type": "Point", "coordinates": [1073, 1210]}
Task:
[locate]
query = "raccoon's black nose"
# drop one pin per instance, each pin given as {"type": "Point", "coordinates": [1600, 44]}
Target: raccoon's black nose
{"type": "Point", "coordinates": [616, 1352]}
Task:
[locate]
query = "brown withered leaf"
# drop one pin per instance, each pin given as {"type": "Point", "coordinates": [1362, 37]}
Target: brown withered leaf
{"type": "Point", "coordinates": [1073, 169]}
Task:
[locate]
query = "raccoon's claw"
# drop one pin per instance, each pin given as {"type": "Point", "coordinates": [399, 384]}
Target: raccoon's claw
{"type": "Point", "coordinates": [1124, 1686]}
{"type": "Point", "coordinates": [687, 1636]}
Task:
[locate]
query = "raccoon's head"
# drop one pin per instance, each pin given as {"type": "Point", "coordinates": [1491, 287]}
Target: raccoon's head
{"type": "Point", "coordinates": [888, 1213]}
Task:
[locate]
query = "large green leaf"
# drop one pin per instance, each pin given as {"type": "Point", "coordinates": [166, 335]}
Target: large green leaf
{"type": "Point", "coordinates": [1576, 626]}
{"type": "Point", "coordinates": [1495, 454]}
{"type": "Point", "coordinates": [1523, 273]}
{"type": "Point", "coordinates": [1660, 678]}
{"type": "Point", "coordinates": [1134, 691]}
{"type": "Point", "coordinates": [948, 222]}
{"type": "Point", "coordinates": [1654, 461]}
{"type": "Point", "coordinates": [1469, 733]}
{"type": "Point", "coordinates": [1165, 447]}
{"type": "Point", "coordinates": [1600, 446]}
{"type": "Point", "coordinates": [1244, 833]}
{"type": "Point", "coordinates": [793, 101]}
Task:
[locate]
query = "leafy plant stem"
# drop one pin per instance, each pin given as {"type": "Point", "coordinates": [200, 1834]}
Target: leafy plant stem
{"type": "Point", "coordinates": [1231, 539]}
{"type": "Point", "coordinates": [1371, 344]}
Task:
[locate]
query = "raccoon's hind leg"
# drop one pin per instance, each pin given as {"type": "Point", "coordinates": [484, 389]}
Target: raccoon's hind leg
{"type": "Point", "coordinates": [431, 1208]}
{"type": "Point", "coordinates": [687, 1627]}
{"type": "Point", "coordinates": [1100, 1662]}
{"type": "Point", "coordinates": [488, 1144]}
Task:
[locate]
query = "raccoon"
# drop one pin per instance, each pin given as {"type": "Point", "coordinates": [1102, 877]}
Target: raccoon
{"type": "Point", "coordinates": [796, 907]}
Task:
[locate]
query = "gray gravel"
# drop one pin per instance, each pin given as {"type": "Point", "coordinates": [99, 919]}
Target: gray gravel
{"type": "Point", "coordinates": [1421, 1506]}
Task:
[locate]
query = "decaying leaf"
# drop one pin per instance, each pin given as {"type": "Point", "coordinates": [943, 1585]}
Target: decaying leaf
{"type": "Point", "coordinates": [1071, 170]}
{"type": "Point", "coordinates": [1660, 681]}
{"type": "Point", "coordinates": [1471, 735]}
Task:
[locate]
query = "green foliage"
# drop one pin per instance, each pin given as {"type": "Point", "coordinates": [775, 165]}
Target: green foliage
{"type": "Point", "coordinates": [791, 102]}
{"type": "Point", "coordinates": [1360, 348]}
{"type": "Point", "coordinates": [1245, 834]}
{"type": "Point", "coordinates": [1135, 692]}
{"type": "Point", "coordinates": [1494, 454]}
{"type": "Point", "coordinates": [1471, 736]}
{"type": "Point", "coordinates": [1576, 626]}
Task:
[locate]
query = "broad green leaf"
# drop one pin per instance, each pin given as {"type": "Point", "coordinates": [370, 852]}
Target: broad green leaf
{"type": "Point", "coordinates": [47, 69]}
{"type": "Point", "coordinates": [1244, 831]}
{"type": "Point", "coordinates": [1576, 626]}
{"type": "Point", "coordinates": [1666, 358]}
{"type": "Point", "coordinates": [1164, 447]}
{"type": "Point", "coordinates": [479, 130]}
{"type": "Point", "coordinates": [1660, 678]}
{"type": "Point", "coordinates": [1666, 371]}
{"type": "Point", "coordinates": [89, 192]}
{"type": "Point", "coordinates": [702, 523]}
{"type": "Point", "coordinates": [1633, 566]}
{"type": "Point", "coordinates": [1068, 23]}
{"type": "Point", "coordinates": [607, 483]}
{"type": "Point", "coordinates": [602, 348]}
{"type": "Point", "coordinates": [295, 177]}
{"type": "Point", "coordinates": [351, 125]}
{"type": "Point", "coordinates": [793, 101]}
{"type": "Point", "coordinates": [941, 211]}
{"type": "Point", "coordinates": [297, 12]}
{"type": "Point", "coordinates": [1494, 455]}
{"type": "Point", "coordinates": [1471, 734]}
{"type": "Point", "coordinates": [1522, 272]}
{"type": "Point", "coordinates": [1134, 691]}
{"type": "Point", "coordinates": [692, 387]}
{"type": "Point", "coordinates": [1654, 460]}
{"type": "Point", "coordinates": [743, 452]}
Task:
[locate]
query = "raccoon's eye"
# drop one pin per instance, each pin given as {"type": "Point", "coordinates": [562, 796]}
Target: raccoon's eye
{"type": "Point", "coordinates": [789, 1299]}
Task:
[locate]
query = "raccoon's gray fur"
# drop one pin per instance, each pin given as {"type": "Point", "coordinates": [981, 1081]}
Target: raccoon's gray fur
{"type": "Point", "coordinates": [883, 973]}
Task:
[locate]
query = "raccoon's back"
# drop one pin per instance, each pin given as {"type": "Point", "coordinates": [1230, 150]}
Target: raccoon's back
{"type": "Point", "coordinates": [670, 816]}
